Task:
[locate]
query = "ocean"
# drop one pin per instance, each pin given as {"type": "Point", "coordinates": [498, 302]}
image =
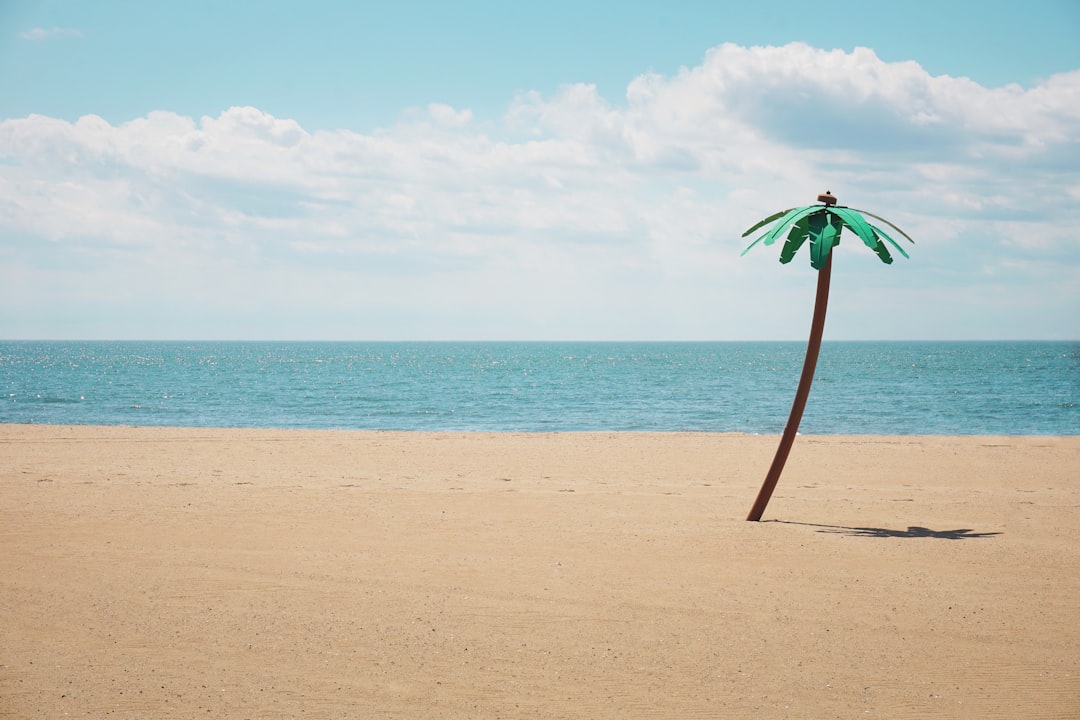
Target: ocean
{"type": "Point", "coordinates": [935, 388]}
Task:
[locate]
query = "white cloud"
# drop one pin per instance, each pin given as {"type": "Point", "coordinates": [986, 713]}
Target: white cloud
{"type": "Point", "coordinates": [447, 116]}
{"type": "Point", "coordinates": [570, 216]}
{"type": "Point", "coordinates": [49, 33]}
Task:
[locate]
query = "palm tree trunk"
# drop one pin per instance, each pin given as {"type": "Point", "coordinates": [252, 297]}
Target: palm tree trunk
{"type": "Point", "coordinates": [801, 394]}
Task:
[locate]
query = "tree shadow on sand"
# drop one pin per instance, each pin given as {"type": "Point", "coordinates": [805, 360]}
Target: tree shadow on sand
{"type": "Point", "coordinates": [913, 531]}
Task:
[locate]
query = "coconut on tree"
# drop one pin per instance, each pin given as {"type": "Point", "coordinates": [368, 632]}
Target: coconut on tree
{"type": "Point", "coordinates": [820, 224]}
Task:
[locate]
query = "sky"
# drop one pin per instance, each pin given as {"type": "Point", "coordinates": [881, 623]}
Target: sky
{"type": "Point", "coordinates": [482, 170]}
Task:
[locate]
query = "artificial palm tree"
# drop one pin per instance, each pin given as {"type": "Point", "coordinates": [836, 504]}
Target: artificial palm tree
{"type": "Point", "coordinates": [821, 225]}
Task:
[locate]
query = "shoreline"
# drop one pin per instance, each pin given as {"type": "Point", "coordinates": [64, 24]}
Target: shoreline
{"type": "Point", "coordinates": [153, 571]}
{"type": "Point", "coordinates": [737, 433]}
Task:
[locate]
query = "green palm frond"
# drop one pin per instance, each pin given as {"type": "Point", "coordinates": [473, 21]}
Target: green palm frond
{"type": "Point", "coordinates": [858, 225]}
{"type": "Point", "coordinates": [892, 242]}
{"type": "Point", "coordinates": [800, 231]}
{"type": "Point", "coordinates": [824, 235]}
{"type": "Point", "coordinates": [878, 217]}
{"type": "Point", "coordinates": [792, 216]}
{"type": "Point", "coordinates": [768, 220]}
{"type": "Point", "coordinates": [822, 225]}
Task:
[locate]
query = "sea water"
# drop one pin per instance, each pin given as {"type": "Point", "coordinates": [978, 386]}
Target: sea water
{"type": "Point", "coordinates": [1010, 388]}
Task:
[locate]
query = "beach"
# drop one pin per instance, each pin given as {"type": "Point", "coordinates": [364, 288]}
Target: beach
{"type": "Point", "coordinates": [194, 572]}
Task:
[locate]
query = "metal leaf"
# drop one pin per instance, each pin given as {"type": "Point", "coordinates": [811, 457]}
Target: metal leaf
{"type": "Point", "coordinates": [767, 220]}
{"type": "Point", "coordinates": [883, 253]}
{"type": "Point", "coordinates": [879, 247]}
{"type": "Point", "coordinates": [765, 235]}
{"type": "Point", "coordinates": [786, 218]}
{"type": "Point", "coordinates": [890, 224]}
{"type": "Point", "coordinates": [823, 236]}
{"type": "Point", "coordinates": [858, 225]}
{"type": "Point", "coordinates": [892, 242]}
{"type": "Point", "coordinates": [800, 231]}
{"type": "Point", "coordinates": [793, 216]}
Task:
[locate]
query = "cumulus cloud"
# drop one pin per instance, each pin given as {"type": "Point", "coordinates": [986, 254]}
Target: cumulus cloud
{"type": "Point", "coordinates": [570, 215]}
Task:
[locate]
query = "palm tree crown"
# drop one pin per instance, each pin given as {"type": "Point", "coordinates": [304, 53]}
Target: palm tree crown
{"type": "Point", "coordinates": [821, 224]}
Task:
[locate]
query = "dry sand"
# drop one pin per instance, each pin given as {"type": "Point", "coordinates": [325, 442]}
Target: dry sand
{"type": "Point", "coordinates": [182, 573]}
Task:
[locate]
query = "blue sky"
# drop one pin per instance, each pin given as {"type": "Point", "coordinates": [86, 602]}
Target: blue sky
{"type": "Point", "coordinates": [557, 170]}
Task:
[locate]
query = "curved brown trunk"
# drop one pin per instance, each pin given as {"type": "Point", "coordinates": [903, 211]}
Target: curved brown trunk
{"type": "Point", "coordinates": [801, 394]}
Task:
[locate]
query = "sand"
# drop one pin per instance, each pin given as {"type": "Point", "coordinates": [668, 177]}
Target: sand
{"type": "Point", "coordinates": [181, 573]}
